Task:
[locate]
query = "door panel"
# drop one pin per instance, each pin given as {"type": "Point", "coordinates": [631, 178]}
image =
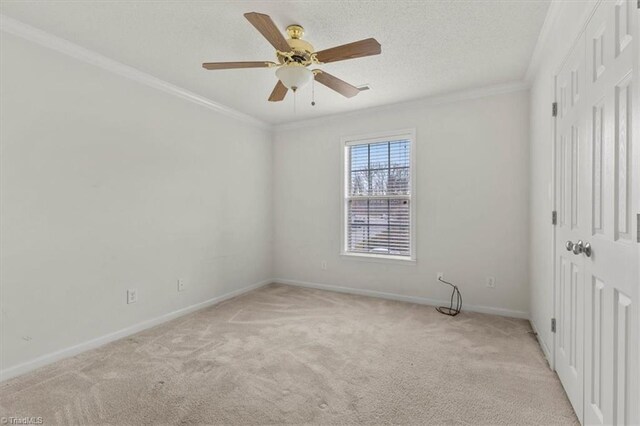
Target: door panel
{"type": "Point", "coordinates": [622, 169]}
{"type": "Point", "coordinates": [594, 367]}
{"type": "Point", "coordinates": [597, 137]}
{"type": "Point", "coordinates": [611, 273]}
{"type": "Point", "coordinates": [572, 223]}
{"type": "Point", "coordinates": [621, 359]}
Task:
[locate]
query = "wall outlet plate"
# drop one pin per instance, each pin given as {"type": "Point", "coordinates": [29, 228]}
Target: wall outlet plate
{"type": "Point", "coordinates": [440, 275]}
{"type": "Point", "coordinates": [323, 265]}
{"type": "Point", "coordinates": [132, 296]}
{"type": "Point", "coordinates": [181, 285]}
{"type": "Point", "coordinates": [491, 282]}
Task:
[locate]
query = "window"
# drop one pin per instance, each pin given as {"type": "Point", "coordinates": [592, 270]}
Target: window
{"type": "Point", "coordinates": [378, 196]}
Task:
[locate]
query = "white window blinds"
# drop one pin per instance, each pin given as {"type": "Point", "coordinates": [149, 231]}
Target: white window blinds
{"type": "Point", "coordinates": [378, 197]}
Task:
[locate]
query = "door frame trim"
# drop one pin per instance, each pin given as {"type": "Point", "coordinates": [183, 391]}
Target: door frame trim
{"type": "Point", "coordinates": [554, 206]}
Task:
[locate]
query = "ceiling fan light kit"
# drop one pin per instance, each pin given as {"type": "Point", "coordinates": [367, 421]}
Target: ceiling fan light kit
{"type": "Point", "coordinates": [294, 75]}
{"type": "Point", "coordinates": [295, 55]}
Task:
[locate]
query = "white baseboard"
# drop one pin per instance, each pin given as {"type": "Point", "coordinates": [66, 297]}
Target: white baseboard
{"type": "Point", "coordinates": [543, 345]}
{"type": "Point", "coordinates": [43, 360]}
{"type": "Point", "coordinates": [403, 298]}
{"type": "Point", "coordinates": [107, 338]}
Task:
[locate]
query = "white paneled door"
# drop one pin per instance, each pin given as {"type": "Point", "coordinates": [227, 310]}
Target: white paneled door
{"type": "Point", "coordinates": [572, 223]}
{"type": "Point", "coordinates": [597, 248]}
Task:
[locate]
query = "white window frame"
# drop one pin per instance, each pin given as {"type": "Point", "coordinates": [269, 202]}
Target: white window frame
{"type": "Point", "coordinates": [345, 142]}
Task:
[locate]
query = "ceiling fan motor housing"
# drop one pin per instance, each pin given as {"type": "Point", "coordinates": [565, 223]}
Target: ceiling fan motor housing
{"type": "Point", "coordinates": [301, 49]}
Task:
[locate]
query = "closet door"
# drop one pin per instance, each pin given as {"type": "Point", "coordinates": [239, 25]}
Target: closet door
{"type": "Point", "coordinates": [572, 224]}
{"type": "Point", "coordinates": [611, 277]}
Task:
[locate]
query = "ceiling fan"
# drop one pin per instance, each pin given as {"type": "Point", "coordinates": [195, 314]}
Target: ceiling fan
{"type": "Point", "coordinates": [296, 55]}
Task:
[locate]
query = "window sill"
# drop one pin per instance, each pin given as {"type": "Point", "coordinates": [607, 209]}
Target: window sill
{"type": "Point", "coordinates": [379, 258]}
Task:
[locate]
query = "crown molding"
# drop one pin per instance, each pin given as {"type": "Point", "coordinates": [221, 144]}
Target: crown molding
{"type": "Point", "coordinates": [27, 32]}
{"type": "Point", "coordinates": [427, 102]}
{"type": "Point", "coordinates": [45, 39]}
{"type": "Point", "coordinates": [536, 58]}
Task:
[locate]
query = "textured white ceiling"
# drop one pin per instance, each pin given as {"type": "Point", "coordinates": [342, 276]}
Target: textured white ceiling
{"type": "Point", "coordinates": [428, 47]}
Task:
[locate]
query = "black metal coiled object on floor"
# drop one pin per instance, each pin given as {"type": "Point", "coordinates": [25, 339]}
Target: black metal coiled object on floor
{"type": "Point", "coordinates": [455, 295]}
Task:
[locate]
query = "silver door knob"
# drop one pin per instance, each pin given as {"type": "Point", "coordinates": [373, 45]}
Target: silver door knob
{"type": "Point", "coordinates": [578, 247]}
{"type": "Point", "coordinates": [569, 245]}
{"type": "Point", "coordinates": [587, 250]}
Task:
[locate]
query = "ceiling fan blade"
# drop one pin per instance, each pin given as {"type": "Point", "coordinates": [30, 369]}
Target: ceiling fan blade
{"type": "Point", "coordinates": [342, 87]}
{"type": "Point", "coordinates": [234, 65]}
{"type": "Point", "coordinates": [279, 92]}
{"type": "Point", "coordinates": [357, 49]}
{"type": "Point", "coordinates": [268, 29]}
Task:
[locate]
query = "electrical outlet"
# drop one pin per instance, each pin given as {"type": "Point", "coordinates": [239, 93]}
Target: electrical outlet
{"type": "Point", "coordinates": [132, 296]}
{"type": "Point", "coordinates": [181, 285]}
{"type": "Point", "coordinates": [323, 265]}
{"type": "Point", "coordinates": [491, 282]}
{"type": "Point", "coordinates": [440, 275]}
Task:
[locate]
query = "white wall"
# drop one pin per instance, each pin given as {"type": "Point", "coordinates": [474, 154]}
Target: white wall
{"type": "Point", "coordinates": [565, 21]}
{"type": "Point", "coordinates": [471, 194]}
{"type": "Point", "coordinates": [107, 184]}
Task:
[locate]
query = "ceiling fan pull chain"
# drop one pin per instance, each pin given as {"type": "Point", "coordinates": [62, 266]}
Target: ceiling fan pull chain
{"type": "Point", "coordinates": [294, 101]}
{"type": "Point", "coordinates": [313, 92]}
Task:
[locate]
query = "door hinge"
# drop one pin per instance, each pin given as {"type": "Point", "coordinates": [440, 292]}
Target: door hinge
{"type": "Point", "coordinates": [554, 107]}
{"type": "Point", "coordinates": [553, 325]}
{"type": "Point", "coordinates": [554, 217]}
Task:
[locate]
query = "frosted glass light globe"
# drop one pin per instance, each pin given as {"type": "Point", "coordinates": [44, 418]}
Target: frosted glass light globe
{"type": "Point", "coordinates": [294, 76]}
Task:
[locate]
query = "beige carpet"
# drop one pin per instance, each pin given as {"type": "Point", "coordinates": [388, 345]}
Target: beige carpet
{"type": "Point", "coordinates": [282, 354]}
